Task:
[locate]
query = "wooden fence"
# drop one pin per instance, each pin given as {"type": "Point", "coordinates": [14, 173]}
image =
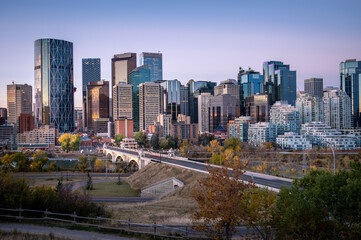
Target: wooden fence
{"type": "Point", "coordinates": [159, 230]}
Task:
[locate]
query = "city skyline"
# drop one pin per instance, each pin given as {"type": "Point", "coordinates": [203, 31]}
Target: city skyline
{"type": "Point", "coordinates": [312, 37]}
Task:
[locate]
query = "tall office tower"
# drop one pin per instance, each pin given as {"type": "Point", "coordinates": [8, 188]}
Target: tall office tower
{"type": "Point", "coordinates": [337, 109]}
{"type": "Point", "coordinates": [279, 82]}
{"type": "Point", "coordinates": [26, 122]}
{"type": "Point", "coordinates": [184, 100]}
{"type": "Point", "coordinates": [222, 109]}
{"type": "Point", "coordinates": [196, 88]}
{"type": "Point", "coordinates": [228, 86]}
{"type": "Point", "coordinates": [54, 89]}
{"type": "Point", "coordinates": [155, 64]}
{"type": "Point", "coordinates": [97, 97]}
{"type": "Point", "coordinates": [310, 108]}
{"type": "Point", "coordinates": [165, 120]}
{"type": "Point", "coordinates": [122, 66]}
{"type": "Point", "coordinates": [150, 104]}
{"type": "Point", "coordinates": [4, 113]}
{"type": "Point", "coordinates": [78, 117]}
{"type": "Point", "coordinates": [90, 73]}
{"type": "Point", "coordinates": [314, 87]}
{"type": "Point", "coordinates": [123, 101]}
{"type": "Point", "coordinates": [19, 100]}
{"type": "Point", "coordinates": [257, 107]}
{"type": "Point", "coordinates": [250, 82]}
{"type": "Point", "coordinates": [203, 112]}
{"type": "Point", "coordinates": [350, 77]}
{"type": "Point", "coordinates": [171, 97]}
{"type": "Point", "coordinates": [286, 117]}
{"type": "Point", "coordinates": [137, 76]}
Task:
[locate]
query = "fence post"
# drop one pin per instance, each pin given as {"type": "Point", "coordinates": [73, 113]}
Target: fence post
{"type": "Point", "coordinates": [186, 231]}
{"type": "Point", "coordinates": [155, 228]}
{"type": "Point", "coordinates": [20, 214]}
{"type": "Point", "coordinates": [129, 223]}
{"type": "Point", "coordinates": [46, 216]}
{"type": "Point", "coordinates": [74, 216]}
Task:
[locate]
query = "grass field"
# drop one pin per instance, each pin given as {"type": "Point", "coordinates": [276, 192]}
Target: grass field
{"type": "Point", "coordinates": [15, 235]}
{"type": "Point", "coordinates": [112, 189]}
{"type": "Point", "coordinates": [53, 181]}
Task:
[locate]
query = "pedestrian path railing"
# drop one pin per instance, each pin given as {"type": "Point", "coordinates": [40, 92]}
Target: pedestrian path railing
{"type": "Point", "coordinates": [159, 230]}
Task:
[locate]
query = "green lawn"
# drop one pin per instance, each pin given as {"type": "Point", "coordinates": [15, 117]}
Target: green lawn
{"type": "Point", "coordinates": [112, 189]}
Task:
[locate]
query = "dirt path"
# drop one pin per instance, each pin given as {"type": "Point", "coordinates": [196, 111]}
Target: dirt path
{"type": "Point", "coordinates": [59, 232]}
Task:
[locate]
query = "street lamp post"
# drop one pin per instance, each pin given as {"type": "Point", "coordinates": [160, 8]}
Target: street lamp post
{"type": "Point", "coordinates": [334, 159]}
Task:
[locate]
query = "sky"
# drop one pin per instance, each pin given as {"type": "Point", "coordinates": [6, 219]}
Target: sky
{"type": "Point", "coordinates": [200, 40]}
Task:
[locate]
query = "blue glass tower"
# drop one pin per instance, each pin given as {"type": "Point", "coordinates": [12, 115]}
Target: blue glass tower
{"type": "Point", "coordinates": [155, 64]}
{"type": "Point", "coordinates": [172, 97]}
{"type": "Point", "coordinates": [137, 76]}
{"type": "Point", "coordinates": [350, 77]}
{"type": "Point", "coordinates": [250, 82]}
{"type": "Point", "coordinates": [54, 89]}
{"type": "Point", "coordinates": [279, 82]}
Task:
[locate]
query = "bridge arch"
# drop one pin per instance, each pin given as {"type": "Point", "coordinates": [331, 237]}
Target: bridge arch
{"type": "Point", "coordinates": [119, 158]}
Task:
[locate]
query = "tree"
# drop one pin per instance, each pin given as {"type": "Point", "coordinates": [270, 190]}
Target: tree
{"type": "Point", "coordinates": [140, 138]}
{"type": "Point", "coordinates": [99, 165]}
{"type": "Point", "coordinates": [172, 142]}
{"type": "Point", "coordinates": [75, 142]}
{"type": "Point", "coordinates": [214, 148]}
{"type": "Point", "coordinates": [65, 140]}
{"type": "Point", "coordinates": [164, 144]}
{"type": "Point", "coordinates": [219, 197]}
{"type": "Point", "coordinates": [118, 139]}
{"type": "Point", "coordinates": [22, 162]}
{"type": "Point", "coordinates": [185, 148]}
{"type": "Point", "coordinates": [321, 206]}
{"type": "Point", "coordinates": [154, 141]}
{"type": "Point", "coordinates": [7, 163]}
{"type": "Point", "coordinates": [233, 143]}
{"type": "Point", "coordinates": [83, 163]}
{"type": "Point", "coordinates": [92, 162]}
{"type": "Point", "coordinates": [40, 159]}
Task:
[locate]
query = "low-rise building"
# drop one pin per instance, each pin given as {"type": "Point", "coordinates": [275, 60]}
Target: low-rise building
{"type": "Point", "coordinates": [184, 131]}
{"type": "Point", "coordinates": [291, 140]}
{"type": "Point", "coordinates": [261, 132]}
{"type": "Point", "coordinates": [42, 138]}
{"type": "Point", "coordinates": [238, 128]}
{"type": "Point", "coordinates": [129, 143]}
{"type": "Point", "coordinates": [124, 126]}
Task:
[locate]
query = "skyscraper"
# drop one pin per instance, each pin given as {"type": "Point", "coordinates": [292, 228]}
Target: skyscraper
{"type": "Point", "coordinates": [203, 112]}
{"type": "Point", "coordinates": [122, 66]}
{"type": "Point", "coordinates": [279, 82]}
{"type": "Point", "coordinates": [54, 89]}
{"type": "Point", "coordinates": [228, 86]}
{"type": "Point", "coordinates": [350, 81]}
{"type": "Point", "coordinates": [222, 109]}
{"type": "Point", "coordinates": [184, 100]}
{"type": "Point", "coordinates": [123, 101]}
{"type": "Point", "coordinates": [137, 76]}
{"type": "Point", "coordinates": [90, 73]}
{"type": "Point", "coordinates": [155, 64]}
{"type": "Point", "coordinates": [97, 97]}
{"type": "Point", "coordinates": [337, 109]}
{"type": "Point", "coordinates": [19, 100]}
{"type": "Point", "coordinates": [257, 107]}
{"type": "Point", "coordinates": [314, 87]}
{"type": "Point", "coordinates": [150, 104]}
{"type": "Point", "coordinates": [4, 113]}
{"type": "Point", "coordinates": [310, 108]}
{"type": "Point", "coordinates": [171, 97]}
{"type": "Point", "coordinates": [286, 117]}
{"type": "Point", "coordinates": [250, 82]}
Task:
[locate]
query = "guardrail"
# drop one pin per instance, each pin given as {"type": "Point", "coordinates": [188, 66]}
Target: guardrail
{"type": "Point", "coordinates": [158, 230]}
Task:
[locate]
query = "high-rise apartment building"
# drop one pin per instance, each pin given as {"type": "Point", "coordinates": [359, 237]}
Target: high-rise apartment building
{"type": "Point", "coordinates": [136, 77]}
{"type": "Point", "coordinates": [150, 104]}
{"type": "Point", "coordinates": [196, 88]}
{"type": "Point", "coordinates": [184, 100]}
{"type": "Point", "coordinates": [261, 132]}
{"type": "Point", "coordinates": [123, 101]}
{"type": "Point", "coordinates": [90, 73]}
{"type": "Point", "coordinates": [310, 108]}
{"type": "Point", "coordinates": [97, 103]}
{"type": "Point", "coordinates": [19, 100]}
{"type": "Point", "coordinates": [171, 97]}
{"type": "Point", "coordinates": [314, 87]}
{"type": "Point", "coordinates": [203, 112]}
{"type": "Point", "coordinates": [26, 122]}
{"type": "Point", "coordinates": [257, 107]}
{"type": "Point", "coordinates": [250, 82]}
{"type": "Point", "coordinates": [53, 88]}
{"type": "Point", "coordinates": [155, 64]}
{"type": "Point", "coordinates": [337, 109]}
{"type": "Point", "coordinates": [238, 128]}
{"type": "Point", "coordinates": [350, 78]}
{"type": "Point", "coordinates": [286, 117]}
{"type": "Point", "coordinates": [279, 82]}
{"type": "Point", "coordinates": [122, 66]}
{"type": "Point", "coordinates": [165, 120]}
{"type": "Point", "coordinates": [222, 109]}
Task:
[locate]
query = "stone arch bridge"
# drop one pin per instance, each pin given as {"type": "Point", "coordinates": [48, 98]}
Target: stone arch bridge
{"type": "Point", "coordinates": [129, 156]}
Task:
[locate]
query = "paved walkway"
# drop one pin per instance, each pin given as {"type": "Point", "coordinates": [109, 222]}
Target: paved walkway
{"type": "Point", "coordinates": [59, 232]}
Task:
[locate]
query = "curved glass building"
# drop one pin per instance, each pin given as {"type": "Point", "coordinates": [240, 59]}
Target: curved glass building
{"type": "Point", "coordinates": [53, 88]}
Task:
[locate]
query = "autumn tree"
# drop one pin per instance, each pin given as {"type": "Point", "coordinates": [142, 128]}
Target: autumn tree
{"type": "Point", "coordinates": [219, 197]}
{"type": "Point", "coordinates": [83, 163]}
{"type": "Point", "coordinates": [69, 142]}
{"type": "Point", "coordinates": [118, 139]}
{"type": "Point", "coordinates": [185, 148]}
{"type": "Point", "coordinates": [40, 159]}
{"type": "Point", "coordinates": [75, 142]}
{"type": "Point", "coordinates": [7, 163]}
{"type": "Point", "coordinates": [99, 165]}
{"type": "Point", "coordinates": [233, 143]}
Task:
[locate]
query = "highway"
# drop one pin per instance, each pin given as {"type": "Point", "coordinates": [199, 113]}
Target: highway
{"type": "Point", "coordinates": [261, 179]}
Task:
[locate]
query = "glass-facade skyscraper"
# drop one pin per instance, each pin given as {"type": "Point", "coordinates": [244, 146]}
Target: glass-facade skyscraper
{"type": "Point", "coordinates": [250, 82]}
{"type": "Point", "coordinates": [171, 97]}
{"type": "Point", "coordinates": [350, 77]}
{"type": "Point", "coordinates": [154, 62]}
{"type": "Point", "coordinates": [137, 76]}
{"type": "Point", "coordinates": [53, 88]}
{"type": "Point", "coordinates": [90, 73]}
{"type": "Point", "coordinates": [279, 82]}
